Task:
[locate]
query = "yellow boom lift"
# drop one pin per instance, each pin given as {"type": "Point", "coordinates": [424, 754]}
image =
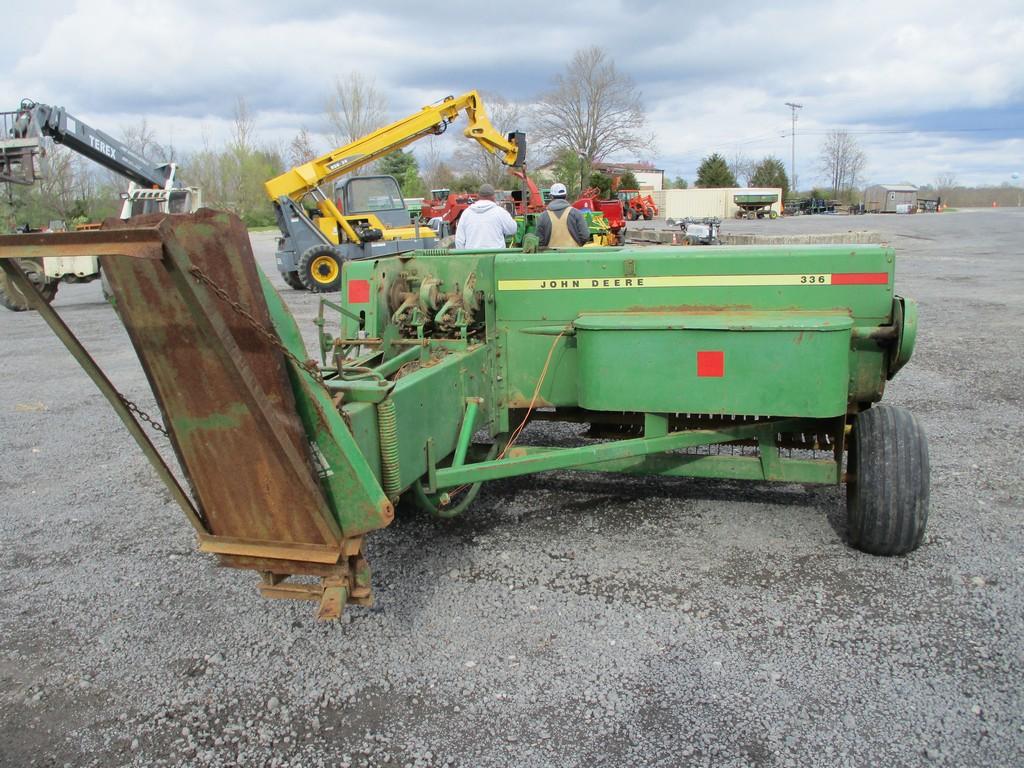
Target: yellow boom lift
{"type": "Point", "coordinates": [367, 217]}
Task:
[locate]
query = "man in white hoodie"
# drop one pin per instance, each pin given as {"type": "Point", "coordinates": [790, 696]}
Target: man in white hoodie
{"type": "Point", "coordinates": [485, 224]}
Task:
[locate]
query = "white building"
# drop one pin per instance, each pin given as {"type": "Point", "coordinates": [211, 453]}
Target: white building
{"type": "Point", "coordinates": [648, 178]}
{"type": "Point", "coordinates": [716, 202]}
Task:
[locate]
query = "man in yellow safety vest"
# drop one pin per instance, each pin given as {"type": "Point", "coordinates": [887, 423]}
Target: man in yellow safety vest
{"type": "Point", "coordinates": [561, 225]}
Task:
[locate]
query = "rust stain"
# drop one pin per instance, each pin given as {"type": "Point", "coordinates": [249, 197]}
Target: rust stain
{"type": "Point", "coordinates": [244, 487]}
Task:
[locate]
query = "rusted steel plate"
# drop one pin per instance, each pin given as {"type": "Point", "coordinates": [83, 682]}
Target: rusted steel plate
{"type": "Point", "coordinates": [138, 242]}
{"type": "Point", "coordinates": [288, 591]}
{"type": "Point", "coordinates": [284, 567]}
{"type": "Point", "coordinates": [225, 545]}
{"type": "Point", "coordinates": [223, 390]}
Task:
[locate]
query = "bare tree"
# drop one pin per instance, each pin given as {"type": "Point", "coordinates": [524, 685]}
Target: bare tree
{"type": "Point", "coordinates": [65, 184]}
{"type": "Point", "coordinates": [208, 168]}
{"type": "Point", "coordinates": [355, 107]}
{"type": "Point", "coordinates": [141, 139]}
{"type": "Point", "coordinates": [301, 150]}
{"type": "Point", "coordinates": [432, 164]}
{"type": "Point", "coordinates": [469, 157]}
{"type": "Point", "coordinates": [236, 175]}
{"type": "Point", "coordinates": [842, 161]}
{"type": "Point", "coordinates": [945, 182]}
{"type": "Point", "coordinates": [243, 129]}
{"type": "Point", "coordinates": [742, 167]}
{"type": "Point", "coordinates": [593, 110]}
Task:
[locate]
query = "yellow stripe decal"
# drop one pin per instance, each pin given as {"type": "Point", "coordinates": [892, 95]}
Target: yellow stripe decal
{"type": "Point", "coordinates": [666, 281]}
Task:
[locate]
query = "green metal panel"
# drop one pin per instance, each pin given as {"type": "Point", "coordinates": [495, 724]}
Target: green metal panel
{"type": "Point", "coordinates": [361, 419]}
{"type": "Point", "coordinates": [350, 483]}
{"type": "Point", "coordinates": [362, 314]}
{"type": "Point", "coordinates": [764, 363]}
{"type": "Point", "coordinates": [765, 199]}
{"type": "Point", "coordinates": [430, 403]}
{"type": "Point", "coordinates": [527, 291]}
{"type": "Point", "coordinates": [530, 286]}
{"type": "Point", "coordinates": [905, 311]}
{"type": "Point", "coordinates": [548, 289]}
{"type": "Point", "coordinates": [524, 356]}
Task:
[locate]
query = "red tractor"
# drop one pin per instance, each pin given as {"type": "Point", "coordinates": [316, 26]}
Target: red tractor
{"type": "Point", "coordinates": [591, 200]}
{"type": "Point", "coordinates": [637, 206]}
{"type": "Point", "coordinates": [444, 208]}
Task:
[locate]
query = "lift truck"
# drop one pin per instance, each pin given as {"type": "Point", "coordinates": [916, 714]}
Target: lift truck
{"type": "Point", "coordinates": [152, 188]}
{"type": "Point", "coordinates": [763, 364]}
{"type": "Point", "coordinates": [367, 218]}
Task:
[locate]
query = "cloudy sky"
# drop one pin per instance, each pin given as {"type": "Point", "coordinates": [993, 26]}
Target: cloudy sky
{"type": "Point", "coordinates": [927, 88]}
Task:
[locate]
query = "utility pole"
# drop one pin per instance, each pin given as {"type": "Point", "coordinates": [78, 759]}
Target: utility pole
{"type": "Point", "coordinates": [792, 158]}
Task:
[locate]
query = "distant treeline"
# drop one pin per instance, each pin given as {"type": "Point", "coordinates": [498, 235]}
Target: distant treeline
{"type": "Point", "coordinates": [975, 197]}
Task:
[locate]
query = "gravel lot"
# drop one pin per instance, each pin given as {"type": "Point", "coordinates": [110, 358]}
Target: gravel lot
{"type": "Point", "coordinates": [569, 620]}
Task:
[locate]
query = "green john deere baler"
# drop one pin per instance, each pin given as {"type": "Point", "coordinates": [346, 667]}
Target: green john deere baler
{"type": "Point", "coordinates": [763, 364]}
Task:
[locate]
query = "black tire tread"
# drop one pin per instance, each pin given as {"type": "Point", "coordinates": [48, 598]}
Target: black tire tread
{"type": "Point", "coordinates": [887, 498]}
{"type": "Point", "coordinates": [12, 298]}
{"type": "Point", "coordinates": [303, 269]}
{"type": "Point", "coordinates": [11, 302]}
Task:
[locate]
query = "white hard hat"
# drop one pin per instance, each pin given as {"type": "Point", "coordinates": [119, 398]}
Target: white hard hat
{"type": "Point", "coordinates": [558, 190]}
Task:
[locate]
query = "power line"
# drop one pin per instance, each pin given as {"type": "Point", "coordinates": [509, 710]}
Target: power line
{"type": "Point", "coordinates": [878, 131]}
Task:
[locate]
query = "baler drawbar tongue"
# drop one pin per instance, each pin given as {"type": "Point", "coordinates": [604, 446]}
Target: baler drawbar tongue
{"type": "Point", "coordinates": [195, 307]}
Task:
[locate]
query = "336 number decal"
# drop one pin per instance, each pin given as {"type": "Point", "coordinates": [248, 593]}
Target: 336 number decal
{"type": "Point", "coordinates": [808, 279]}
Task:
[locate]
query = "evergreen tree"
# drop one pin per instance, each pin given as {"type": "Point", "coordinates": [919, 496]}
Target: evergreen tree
{"type": "Point", "coordinates": [405, 169]}
{"type": "Point", "coordinates": [628, 181]}
{"type": "Point", "coordinates": [771, 172]}
{"type": "Point", "coordinates": [714, 172]}
{"type": "Point", "coordinates": [601, 182]}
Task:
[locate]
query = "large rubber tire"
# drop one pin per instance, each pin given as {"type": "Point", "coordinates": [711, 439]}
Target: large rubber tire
{"type": "Point", "coordinates": [648, 214]}
{"type": "Point", "coordinates": [630, 214]}
{"type": "Point", "coordinates": [293, 280]}
{"type": "Point", "coordinates": [887, 481]}
{"type": "Point", "coordinates": [320, 269]}
{"type": "Point", "coordinates": [13, 299]}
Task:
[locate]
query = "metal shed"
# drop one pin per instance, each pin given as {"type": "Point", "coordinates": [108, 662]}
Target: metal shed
{"type": "Point", "coordinates": [890, 198]}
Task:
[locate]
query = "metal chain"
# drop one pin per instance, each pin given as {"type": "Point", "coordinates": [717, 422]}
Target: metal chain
{"type": "Point", "coordinates": [143, 416]}
{"type": "Point", "coordinates": [271, 338]}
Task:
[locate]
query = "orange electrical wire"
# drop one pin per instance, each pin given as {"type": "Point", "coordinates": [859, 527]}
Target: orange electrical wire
{"type": "Point", "coordinates": [522, 425]}
{"type": "Point", "coordinates": [533, 401]}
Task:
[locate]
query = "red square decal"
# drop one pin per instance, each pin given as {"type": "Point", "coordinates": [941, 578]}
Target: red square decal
{"type": "Point", "coordinates": [358, 291]}
{"type": "Point", "coordinates": [711, 363]}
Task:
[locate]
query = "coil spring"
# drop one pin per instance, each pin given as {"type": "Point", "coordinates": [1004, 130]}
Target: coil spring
{"type": "Point", "coordinates": [434, 252]}
{"type": "Point", "coordinates": [387, 427]}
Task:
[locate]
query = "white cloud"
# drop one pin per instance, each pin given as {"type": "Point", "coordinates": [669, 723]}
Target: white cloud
{"type": "Point", "coordinates": [714, 79]}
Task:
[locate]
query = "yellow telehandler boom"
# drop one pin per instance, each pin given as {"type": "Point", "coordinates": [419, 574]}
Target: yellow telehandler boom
{"type": "Point", "coordinates": [373, 219]}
